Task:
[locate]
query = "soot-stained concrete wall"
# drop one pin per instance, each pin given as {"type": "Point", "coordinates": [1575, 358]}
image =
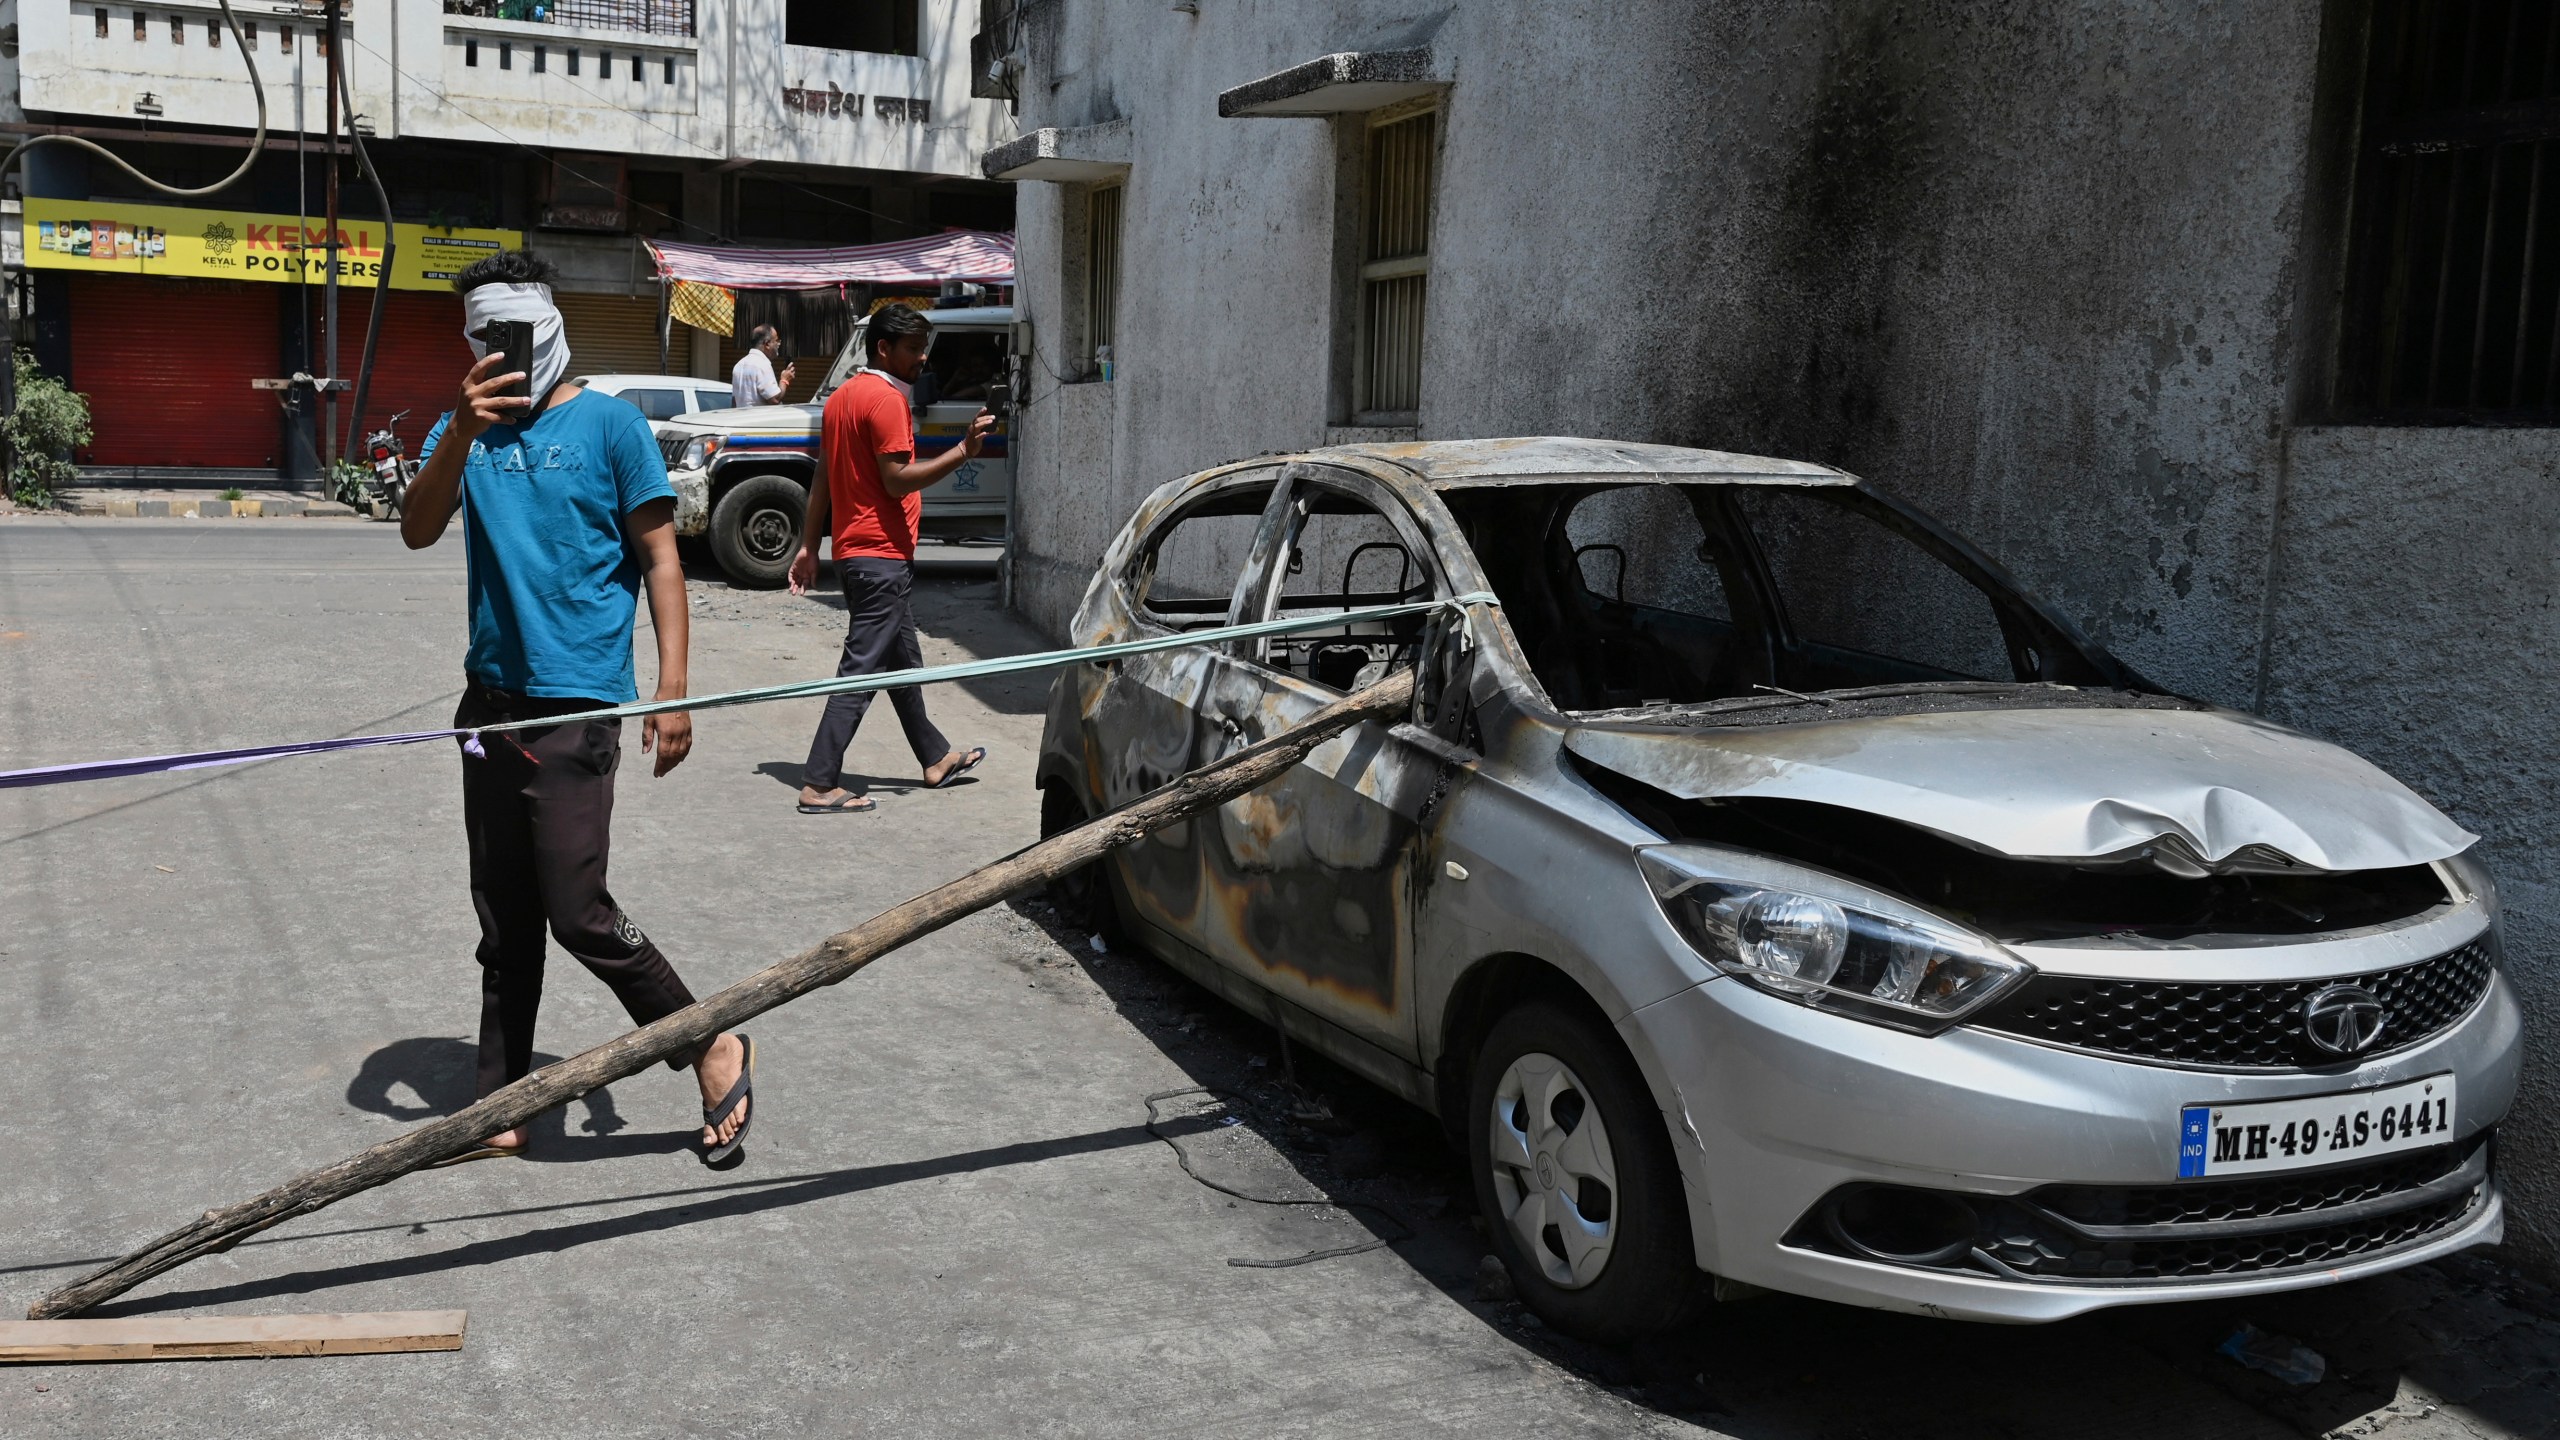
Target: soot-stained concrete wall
{"type": "Point", "coordinates": [2040, 268]}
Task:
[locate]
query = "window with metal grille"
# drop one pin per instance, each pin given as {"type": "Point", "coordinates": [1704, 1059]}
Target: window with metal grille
{"type": "Point", "coordinates": [1395, 266]}
{"type": "Point", "coordinates": [2452, 305]}
{"type": "Point", "coordinates": [1102, 271]}
{"type": "Point", "coordinates": [647, 17]}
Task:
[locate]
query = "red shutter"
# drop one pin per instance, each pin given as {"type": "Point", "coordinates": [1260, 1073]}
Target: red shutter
{"type": "Point", "coordinates": [417, 366]}
{"type": "Point", "coordinates": [166, 365]}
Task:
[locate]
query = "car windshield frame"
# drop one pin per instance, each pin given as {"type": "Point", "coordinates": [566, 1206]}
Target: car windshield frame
{"type": "Point", "coordinates": [2063, 656]}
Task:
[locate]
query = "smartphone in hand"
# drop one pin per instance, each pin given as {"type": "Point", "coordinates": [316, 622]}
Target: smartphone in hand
{"type": "Point", "coordinates": [515, 338]}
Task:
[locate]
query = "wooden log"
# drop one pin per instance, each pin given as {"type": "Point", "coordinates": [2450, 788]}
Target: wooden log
{"type": "Point", "coordinates": [697, 1024]}
{"type": "Point", "coordinates": [227, 1337]}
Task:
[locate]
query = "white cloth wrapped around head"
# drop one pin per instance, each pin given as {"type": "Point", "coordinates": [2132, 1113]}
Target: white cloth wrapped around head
{"type": "Point", "coordinates": [550, 358]}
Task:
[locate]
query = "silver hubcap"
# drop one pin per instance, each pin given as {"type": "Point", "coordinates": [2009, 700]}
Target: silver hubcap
{"type": "Point", "coordinates": [1553, 1174]}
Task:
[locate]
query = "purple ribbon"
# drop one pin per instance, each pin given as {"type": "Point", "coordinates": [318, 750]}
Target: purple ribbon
{"type": "Point", "coordinates": [204, 759]}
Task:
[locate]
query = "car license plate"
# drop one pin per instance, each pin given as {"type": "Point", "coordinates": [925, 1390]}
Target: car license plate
{"type": "Point", "coordinates": [2264, 1135]}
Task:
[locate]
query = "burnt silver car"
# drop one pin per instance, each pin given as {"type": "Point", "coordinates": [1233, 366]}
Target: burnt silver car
{"type": "Point", "coordinates": [1767, 891]}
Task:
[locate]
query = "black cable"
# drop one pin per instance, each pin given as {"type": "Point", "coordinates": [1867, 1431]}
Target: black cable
{"type": "Point", "coordinates": [257, 147]}
{"type": "Point", "coordinates": [390, 247]}
{"type": "Point", "coordinates": [1183, 1157]}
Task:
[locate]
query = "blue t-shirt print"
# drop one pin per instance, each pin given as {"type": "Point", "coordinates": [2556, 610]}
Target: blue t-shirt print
{"type": "Point", "coordinates": [553, 586]}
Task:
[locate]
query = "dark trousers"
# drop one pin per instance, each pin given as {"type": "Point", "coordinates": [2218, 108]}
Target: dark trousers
{"type": "Point", "coordinates": [879, 635]}
{"type": "Point", "coordinates": [538, 806]}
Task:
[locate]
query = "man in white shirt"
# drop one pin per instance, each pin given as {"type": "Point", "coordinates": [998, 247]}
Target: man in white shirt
{"type": "Point", "coordinates": [752, 381]}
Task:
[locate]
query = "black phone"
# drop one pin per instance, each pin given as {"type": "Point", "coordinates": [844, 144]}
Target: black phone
{"type": "Point", "coordinates": [999, 400]}
{"type": "Point", "coordinates": [515, 338]}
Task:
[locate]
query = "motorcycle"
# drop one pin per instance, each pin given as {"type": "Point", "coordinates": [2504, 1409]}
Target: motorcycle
{"type": "Point", "coordinates": [392, 469]}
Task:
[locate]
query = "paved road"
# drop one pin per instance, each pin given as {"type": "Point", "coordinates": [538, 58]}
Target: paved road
{"type": "Point", "coordinates": [955, 1219]}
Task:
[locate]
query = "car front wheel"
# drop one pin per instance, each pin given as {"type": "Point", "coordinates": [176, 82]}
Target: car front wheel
{"type": "Point", "coordinates": [1575, 1176]}
{"type": "Point", "coordinates": [755, 528]}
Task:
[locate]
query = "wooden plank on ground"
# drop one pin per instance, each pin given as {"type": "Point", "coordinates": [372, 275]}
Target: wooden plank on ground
{"type": "Point", "coordinates": [215, 1337]}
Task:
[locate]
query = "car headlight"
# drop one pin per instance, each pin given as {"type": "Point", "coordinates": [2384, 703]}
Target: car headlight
{"type": "Point", "coordinates": [1833, 946]}
{"type": "Point", "coordinates": [698, 452]}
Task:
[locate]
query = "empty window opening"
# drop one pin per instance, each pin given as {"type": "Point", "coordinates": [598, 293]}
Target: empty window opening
{"type": "Point", "coordinates": [2453, 258]}
{"type": "Point", "coordinates": [573, 59]}
{"type": "Point", "coordinates": [506, 55]}
{"type": "Point", "coordinates": [1102, 272]}
{"type": "Point", "coordinates": [1648, 592]}
{"type": "Point", "coordinates": [470, 50]}
{"type": "Point", "coordinates": [886, 27]}
{"type": "Point", "coordinates": [102, 24]}
{"type": "Point", "coordinates": [1187, 575]}
{"type": "Point", "coordinates": [1395, 266]}
{"type": "Point", "coordinates": [141, 26]}
{"type": "Point", "coordinates": [213, 33]}
{"type": "Point", "coordinates": [249, 34]}
{"type": "Point", "coordinates": [1342, 554]}
{"type": "Point", "coordinates": [1864, 603]}
{"type": "Point", "coordinates": [541, 59]}
{"type": "Point", "coordinates": [817, 214]}
{"type": "Point", "coordinates": [657, 208]}
{"type": "Point", "coordinates": [639, 65]}
{"type": "Point", "coordinates": [668, 75]}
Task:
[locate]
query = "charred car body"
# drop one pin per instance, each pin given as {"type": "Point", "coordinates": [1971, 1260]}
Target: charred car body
{"type": "Point", "coordinates": [1767, 889]}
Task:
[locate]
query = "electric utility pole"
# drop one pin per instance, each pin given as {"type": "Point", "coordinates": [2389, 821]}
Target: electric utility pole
{"type": "Point", "coordinates": [329, 303]}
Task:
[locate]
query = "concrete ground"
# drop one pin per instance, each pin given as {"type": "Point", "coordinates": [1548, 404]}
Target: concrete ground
{"type": "Point", "coordinates": [955, 1217]}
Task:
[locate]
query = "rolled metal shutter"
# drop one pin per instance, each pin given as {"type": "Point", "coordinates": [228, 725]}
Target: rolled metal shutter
{"type": "Point", "coordinates": [417, 366]}
{"type": "Point", "coordinates": [166, 365]}
{"type": "Point", "coordinates": [618, 335]}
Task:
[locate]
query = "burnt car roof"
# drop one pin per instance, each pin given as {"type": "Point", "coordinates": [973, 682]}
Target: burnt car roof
{"type": "Point", "coordinates": [1458, 464]}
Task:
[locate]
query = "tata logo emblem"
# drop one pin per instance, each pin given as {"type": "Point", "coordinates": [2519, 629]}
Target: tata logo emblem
{"type": "Point", "coordinates": [2343, 1019]}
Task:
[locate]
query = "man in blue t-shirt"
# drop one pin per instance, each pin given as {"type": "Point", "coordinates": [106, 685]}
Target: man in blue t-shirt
{"type": "Point", "coordinates": [566, 512]}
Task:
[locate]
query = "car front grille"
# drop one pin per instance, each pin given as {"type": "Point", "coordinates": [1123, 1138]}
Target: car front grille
{"type": "Point", "coordinates": [2239, 1026]}
{"type": "Point", "coordinates": [2157, 1234]}
{"type": "Point", "coordinates": [2235, 1227]}
{"type": "Point", "coordinates": [671, 445]}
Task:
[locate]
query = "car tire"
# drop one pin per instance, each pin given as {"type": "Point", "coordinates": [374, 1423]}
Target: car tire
{"type": "Point", "coordinates": [1545, 1073]}
{"type": "Point", "coordinates": [755, 528]}
{"type": "Point", "coordinates": [1082, 897]}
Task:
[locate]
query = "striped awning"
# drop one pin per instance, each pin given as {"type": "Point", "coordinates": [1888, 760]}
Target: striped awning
{"type": "Point", "coordinates": [985, 256]}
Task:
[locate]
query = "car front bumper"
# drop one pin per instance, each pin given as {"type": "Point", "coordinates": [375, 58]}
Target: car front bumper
{"type": "Point", "coordinates": [1774, 1106]}
{"type": "Point", "coordinates": [693, 500]}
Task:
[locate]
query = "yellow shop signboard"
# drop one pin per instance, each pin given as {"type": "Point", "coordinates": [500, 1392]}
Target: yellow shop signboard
{"type": "Point", "coordinates": [112, 238]}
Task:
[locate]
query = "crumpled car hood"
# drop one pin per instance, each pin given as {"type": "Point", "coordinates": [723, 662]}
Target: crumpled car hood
{"type": "Point", "coordinates": [2061, 784]}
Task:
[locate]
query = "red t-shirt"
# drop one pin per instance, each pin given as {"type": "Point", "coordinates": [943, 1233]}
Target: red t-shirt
{"type": "Point", "coordinates": [865, 419]}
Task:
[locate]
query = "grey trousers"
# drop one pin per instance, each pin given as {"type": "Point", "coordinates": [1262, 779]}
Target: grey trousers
{"type": "Point", "coordinates": [879, 635]}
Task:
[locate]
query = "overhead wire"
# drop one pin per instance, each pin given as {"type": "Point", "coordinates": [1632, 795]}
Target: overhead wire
{"type": "Point", "coordinates": [18, 150]}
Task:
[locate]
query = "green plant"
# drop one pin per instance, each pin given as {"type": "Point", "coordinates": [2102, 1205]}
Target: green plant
{"type": "Point", "coordinates": [231, 494]}
{"type": "Point", "coordinates": [50, 419]}
{"type": "Point", "coordinates": [350, 484]}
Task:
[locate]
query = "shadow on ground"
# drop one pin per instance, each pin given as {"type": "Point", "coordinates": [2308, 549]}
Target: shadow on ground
{"type": "Point", "coordinates": [2469, 1330]}
{"type": "Point", "coordinates": [432, 1076]}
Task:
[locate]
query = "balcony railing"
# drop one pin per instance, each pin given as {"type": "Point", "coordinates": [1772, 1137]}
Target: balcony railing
{"type": "Point", "coordinates": [648, 17]}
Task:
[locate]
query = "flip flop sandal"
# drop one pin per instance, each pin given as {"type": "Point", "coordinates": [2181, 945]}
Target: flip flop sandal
{"type": "Point", "coordinates": [484, 1152]}
{"type": "Point", "coordinates": [721, 1157]}
{"type": "Point", "coordinates": [967, 763]}
{"type": "Point", "coordinates": [849, 805]}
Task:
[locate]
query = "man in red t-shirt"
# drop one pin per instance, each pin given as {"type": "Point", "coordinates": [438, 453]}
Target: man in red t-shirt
{"type": "Point", "coordinates": [871, 485]}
